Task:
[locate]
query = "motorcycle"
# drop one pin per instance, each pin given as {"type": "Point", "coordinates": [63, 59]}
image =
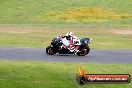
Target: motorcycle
{"type": "Point", "coordinates": [56, 47]}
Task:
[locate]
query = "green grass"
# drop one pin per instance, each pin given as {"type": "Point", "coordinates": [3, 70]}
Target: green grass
{"type": "Point", "coordinates": [39, 74]}
{"type": "Point", "coordinates": [33, 13]}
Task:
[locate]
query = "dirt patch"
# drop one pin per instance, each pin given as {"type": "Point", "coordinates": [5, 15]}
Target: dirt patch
{"type": "Point", "coordinates": [46, 31]}
{"type": "Point", "coordinates": [19, 30]}
{"type": "Point", "coordinates": [15, 31]}
{"type": "Point", "coordinates": [125, 31]}
{"type": "Point", "coordinates": [27, 30]}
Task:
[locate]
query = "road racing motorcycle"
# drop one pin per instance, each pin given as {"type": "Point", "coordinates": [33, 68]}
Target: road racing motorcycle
{"type": "Point", "coordinates": [56, 47]}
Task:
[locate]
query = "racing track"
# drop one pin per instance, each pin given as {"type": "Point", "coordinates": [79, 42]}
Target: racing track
{"type": "Point", "coordinates": [95, 56]}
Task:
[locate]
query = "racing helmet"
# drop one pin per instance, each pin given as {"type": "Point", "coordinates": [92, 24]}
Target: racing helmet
{"type": "Point", "coordinates": [69, 35]}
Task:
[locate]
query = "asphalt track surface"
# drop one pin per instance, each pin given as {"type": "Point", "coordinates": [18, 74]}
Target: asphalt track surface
{"type": "Point", "coordinates": [95, 56]}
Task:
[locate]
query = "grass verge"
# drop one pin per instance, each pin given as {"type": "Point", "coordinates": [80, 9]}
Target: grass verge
{"type": "Point", "coordinates": [40, 37]}
{"type": "Point", "coordinates": [39, 74]}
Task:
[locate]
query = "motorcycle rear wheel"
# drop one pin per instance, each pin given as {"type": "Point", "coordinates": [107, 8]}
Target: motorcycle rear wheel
{"type": "Point", "coordinates": [50, 50]}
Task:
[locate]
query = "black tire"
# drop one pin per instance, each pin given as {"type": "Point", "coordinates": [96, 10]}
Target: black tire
{"type": "Point", "coordinates": [84, 51]}
{"type": "Point", "coordinates": [50, 50]}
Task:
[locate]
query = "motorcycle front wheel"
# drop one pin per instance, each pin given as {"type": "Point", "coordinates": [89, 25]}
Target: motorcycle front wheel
{"type": "Point", "coordinates": [83, 51]}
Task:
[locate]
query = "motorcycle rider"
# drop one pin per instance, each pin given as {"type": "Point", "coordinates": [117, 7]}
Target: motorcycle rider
{"type": "Point", "coordinates": [71, 42]}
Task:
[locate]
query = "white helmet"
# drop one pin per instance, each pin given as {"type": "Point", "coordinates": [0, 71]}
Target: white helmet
{"type": "Point", "coordinates": [69, 34]}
